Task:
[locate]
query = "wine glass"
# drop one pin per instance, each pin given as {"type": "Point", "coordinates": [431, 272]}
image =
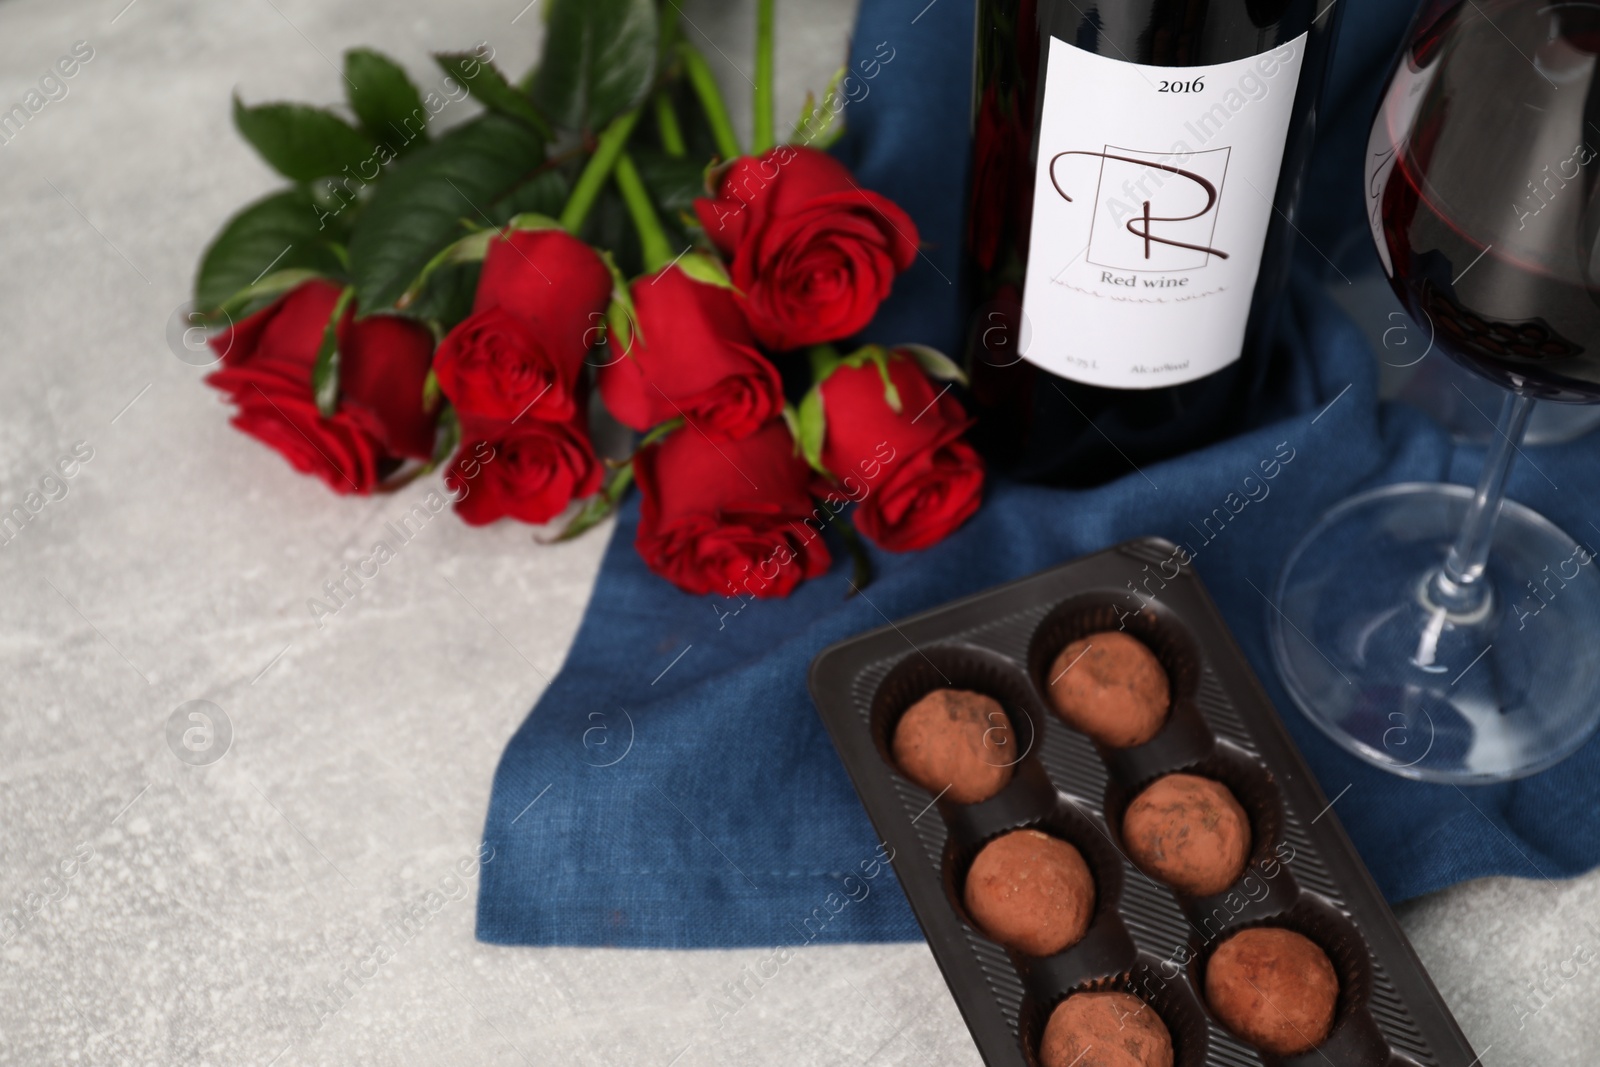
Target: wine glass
{"type": "Point", "coordinates": [1439, 632]}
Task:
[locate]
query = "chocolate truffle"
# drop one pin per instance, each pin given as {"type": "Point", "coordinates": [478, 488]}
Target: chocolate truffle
{"type": "Point", "coordinates": [1031, 892]}
{"type": "Point", "coordinates": [1110, 686]}
{"type": "Point", "coordinates": [956, 739]}
{"type": "Point", "coordinates": [1274, 988]}
{"type": "Point", "coordinates": [1105, 1030]}
{"type": "Point", "coordinates": [1189, 832]}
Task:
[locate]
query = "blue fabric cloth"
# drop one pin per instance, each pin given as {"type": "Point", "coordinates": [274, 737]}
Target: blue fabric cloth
{"type": "Point", "coordinates": [675, 787]}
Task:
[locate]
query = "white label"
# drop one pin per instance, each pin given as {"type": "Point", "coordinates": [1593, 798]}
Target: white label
{"type": "Point", "coordinates": [1151, 204]}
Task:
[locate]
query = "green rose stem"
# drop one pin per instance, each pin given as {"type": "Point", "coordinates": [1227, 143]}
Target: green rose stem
{"type": "Point", "coordinates": [762, 137]}
{"type": "Point", "coordinates": [704, 84]}
{"type": "Point", "coordinates": [666, 116]}
{"type": "Point", "coordinates": [652, 238]}
{"type": "Point", "coordinates": [593, 179]}
{"type": "Point", "coordinates": [598, 506]}
{"type": "Point", "coordinates": [860, 562]}
{"type": "Point", "coordinates": [605, 502]}
{"type": "Point", "coordinates": [668, 38]}
{"type": "Point", "coordinates": [667, 126]}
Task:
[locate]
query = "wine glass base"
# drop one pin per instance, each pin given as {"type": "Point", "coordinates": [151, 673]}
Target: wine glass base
{"type": "Point", "coordinates": [1468, 697]}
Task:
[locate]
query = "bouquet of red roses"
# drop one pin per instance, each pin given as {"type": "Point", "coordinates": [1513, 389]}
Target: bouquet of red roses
{"type": "Point", "coordinates": [466, 292]}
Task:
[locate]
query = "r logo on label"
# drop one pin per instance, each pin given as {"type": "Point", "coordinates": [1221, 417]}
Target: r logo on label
{"type": "Point", "coordinates": [1150, 215]}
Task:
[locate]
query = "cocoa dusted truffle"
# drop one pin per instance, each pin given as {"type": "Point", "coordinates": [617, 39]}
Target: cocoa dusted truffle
{"type": "Point", "coordinates": [1110, 686]}
{"type": "Point", "coordinates": [1031, 892]}
{"type": "Point", "coordinates": [1274, 988]}
{"type": "Point", "coordinates": [1105, 1030]}
{"type": "Point", "coordinates": [956, 739]}
{"type": "Point", "coordinates": [1189, 832]}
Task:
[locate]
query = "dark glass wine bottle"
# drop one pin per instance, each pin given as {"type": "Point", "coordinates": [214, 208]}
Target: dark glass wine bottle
{"type": "Point", "coordinates": [1135, 169]}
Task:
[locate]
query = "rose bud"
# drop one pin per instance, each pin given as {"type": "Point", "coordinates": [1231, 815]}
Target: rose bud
{"type": "Point", "coordinates": [691, 355]}
{"type": "Point", "coordinates": [915, 480]}
{"type": "Point", "coordinates": [528, 470]}
{"type": "Point", "coordinates": [813, 253]}
{"type": "Point", "coordinates": [267, 361]}
{"type": "Point", "coordinates": [540, 299]}
{"type": "Point", "coordinates": [728, 519]}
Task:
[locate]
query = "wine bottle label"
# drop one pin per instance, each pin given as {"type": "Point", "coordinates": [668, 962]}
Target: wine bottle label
{"type": "Point", "coordinates": [1151, 202]}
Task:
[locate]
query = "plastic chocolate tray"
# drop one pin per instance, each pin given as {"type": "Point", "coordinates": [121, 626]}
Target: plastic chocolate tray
{"type": "Point", "coordinates": [1144, 938]}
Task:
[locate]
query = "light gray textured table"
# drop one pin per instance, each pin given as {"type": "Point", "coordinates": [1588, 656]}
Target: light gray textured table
{"type": "Point", "coordinates": [206, 905]}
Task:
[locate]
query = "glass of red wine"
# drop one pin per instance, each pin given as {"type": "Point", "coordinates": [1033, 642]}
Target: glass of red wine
{"type": "Point", "coordinates": [1439, 632]}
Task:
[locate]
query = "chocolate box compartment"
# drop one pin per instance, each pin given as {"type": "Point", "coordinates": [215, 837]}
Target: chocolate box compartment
{"type": "Point", "coordinates": [1252, 786]}
{"type": "Point", "coordinates": [1304, 872]}
{"type": "Point", "coordinates": [1105, 947]}
{"type": "Point", "coordinates": [1179, 1009]}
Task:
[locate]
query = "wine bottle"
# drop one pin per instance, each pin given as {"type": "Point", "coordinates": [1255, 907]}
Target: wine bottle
{"type": "Point", "coordinates": [1135, 171]}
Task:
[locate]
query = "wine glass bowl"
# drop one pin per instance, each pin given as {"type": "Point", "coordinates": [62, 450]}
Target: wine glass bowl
{"type": "Point", "coordinates": [1482, 192]}
{"type": "Point", "coordinates": [1436, 631]}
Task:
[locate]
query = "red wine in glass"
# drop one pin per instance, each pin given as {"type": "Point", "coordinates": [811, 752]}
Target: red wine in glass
{"type": "Point", "coordinates": [1483, 162]}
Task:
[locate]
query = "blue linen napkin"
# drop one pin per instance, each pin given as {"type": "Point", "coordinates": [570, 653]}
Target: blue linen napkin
{"type": "Point", "coordinates": [674, 786]}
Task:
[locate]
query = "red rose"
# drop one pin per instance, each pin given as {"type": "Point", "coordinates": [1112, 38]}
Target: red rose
{"type": "Point", "coordinates": [813, 253]}
{"type": "Point", "coordinates": [728, 519]}
{"type": "Point", "coordinates": [693, 355]}
{"type": "Point", "coordinates": [267, 361]}
{"type": "Point", "coordinates": [540, 299]}
{"type": "Point", "coordinates": [339, 450]}
{"type": "Point", "coordinates": [383, 368]}
{"type": "Point", "coordinates": [528, 470]}
{"type": "Point", "coordinates": [919, 480]}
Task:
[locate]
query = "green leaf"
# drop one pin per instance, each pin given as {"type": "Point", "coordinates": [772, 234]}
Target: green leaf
{"type": "Point", "coordinates": [609, 226]}
{"type": "Point", "coordinates": [418, 209]}
{"type": "Point", "coordinates": [544, 194]}
{"type": "Point", "coordinates": [532, 221]}
{"type": "Point", "coordinates": [674, 182]}
{"type": "Point", "coordinates": [599, 506]}
{"type": "Point", "coordinates": [273, 285]}
{"type": "Point", "coordinates": [670, 426]}
{"type": "Point", "coordinates": [891, 393]}
{"type": "Point", "coordinates": [469, 249]}
{"type": "Point", "coordinates": [703, 268]}
{"type": "Point", "coordinates": [449, 430]}
{"type": "Point", "coordinates": [819, 126]}
{"type": "Point", "coordinates": [934, 363]}
{"type": "Point", "coordinates": [490, 88]}
{"type": "Point", "coordinates": [712, 176]}
{"type": "Point", "coordinates": [325, 372]}
{"type": "Point", "coordinates": [277, 233]}
{"type": "Point", "coordinates": [813, 428]}
{"type": "Point", "coordinates": [599, 60]}
{"type": "Point", "coordinates": [878, 357]}
{"type": "Point", "coordinates": [385, 100]}
{"type": "Point", "coordinates": [447, 297]}
{"type": "Point", "coordinates": [622, 323]}
{"type": "Point", "coordinates": [823, 360]}
{"type": "Point", "coordinates": [301, 143]}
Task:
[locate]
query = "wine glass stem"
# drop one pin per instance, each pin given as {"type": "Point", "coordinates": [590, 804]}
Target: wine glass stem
{"type": "Point", "coordinates": [1459, 586]}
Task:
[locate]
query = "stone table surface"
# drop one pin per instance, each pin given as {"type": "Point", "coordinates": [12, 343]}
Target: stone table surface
{"type": "Point", "coordinates": [153, 912]}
